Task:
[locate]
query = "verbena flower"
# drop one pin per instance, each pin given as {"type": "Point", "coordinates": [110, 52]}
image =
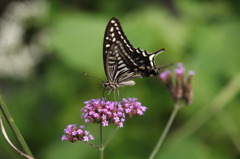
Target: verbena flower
{"type": "Point", "coordinates": [74, 134]}
{"type": "Point", "coordinates": [133, 108]}
{"type": "Point", "coordinates": [182, 90]}
{"type": "Point", "coordinates": [100, 110]}
{"type": "Point", "coordinates": [108, 112]}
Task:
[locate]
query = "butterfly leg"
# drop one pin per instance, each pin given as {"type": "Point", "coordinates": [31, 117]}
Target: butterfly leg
{"type": "Point", "coordinates": [109, 92]}
{"type": "Point", "coordinates": [119, 95]}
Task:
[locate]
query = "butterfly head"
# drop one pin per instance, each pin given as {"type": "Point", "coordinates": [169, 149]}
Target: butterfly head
{"type": "Point", "coordinates": [105, 84]}
{"type": "Point", "coordinates": [109, 85]}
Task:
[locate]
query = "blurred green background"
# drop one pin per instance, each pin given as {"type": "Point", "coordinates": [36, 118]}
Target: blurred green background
{"type": "Point", "coordinates": [46, 45]}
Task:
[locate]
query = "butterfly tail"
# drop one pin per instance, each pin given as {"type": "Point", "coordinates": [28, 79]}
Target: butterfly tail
{"type": "Point", "coordinates": [158, 52]}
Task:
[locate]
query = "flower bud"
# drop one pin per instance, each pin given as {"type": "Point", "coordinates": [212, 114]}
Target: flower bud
{"type": "Point", "coordinates": [182, 90]}
{"type": "Point", "coordinates": [188, 93]}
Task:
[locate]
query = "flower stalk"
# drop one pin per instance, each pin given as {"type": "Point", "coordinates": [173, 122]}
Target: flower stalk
{"type": "Point", "coordinates": [180, 91]}
{"type": "Point", "coordinates": [101, 149]}
{"type": "Point", "coordinates": [111, 136]}
{"type": "Point", "coordinates": [14, 128]}
{"type": "Point", "coordinates": [177, 107]}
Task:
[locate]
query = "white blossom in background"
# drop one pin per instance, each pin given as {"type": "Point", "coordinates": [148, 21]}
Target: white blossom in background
{"type": "Point", "coordinates": [17, 59]}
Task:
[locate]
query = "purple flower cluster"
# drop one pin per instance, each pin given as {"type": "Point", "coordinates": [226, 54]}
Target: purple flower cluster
{"type": "Point", "coordinates": [100, 110]}
{"type": "Point", "coordinates": [107, 112]}
{"type": "Point", "coordinates": [182, 89]}
{"type": "Point", "coordinates": [132, 107]}
{"type": "Point", "coordinates": [74, 134]}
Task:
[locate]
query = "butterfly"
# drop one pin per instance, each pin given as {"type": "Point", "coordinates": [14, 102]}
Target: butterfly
{"type": "Point", "coordinates": [122, 61]}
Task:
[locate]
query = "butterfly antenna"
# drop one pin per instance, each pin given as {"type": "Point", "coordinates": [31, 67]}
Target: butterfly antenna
{"type": "Point", "coordinates": [164, 66]}
{"type": "Point", "coordinates": [101, 89]}
{"type": "Point", "coordinates": [85, 74]}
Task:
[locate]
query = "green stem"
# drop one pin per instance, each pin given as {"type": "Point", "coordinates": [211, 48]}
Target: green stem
{"type": "Point", "coordinates": [101, 149]}
{"type": "Point", "coordinates": [165, 131]}
{"type": "Point", "coordinates": [228, 93]}
{"type": "Point", "coordinates": [111, 136]}
{"type": "Point", "coordinates": [14, 128]}
{"type": "Point", "coordinates": [93, 145]}
{"type": "Point", "coordinates": [230, 126]}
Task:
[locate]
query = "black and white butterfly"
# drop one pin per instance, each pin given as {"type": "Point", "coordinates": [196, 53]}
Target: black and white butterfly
{"type": "Point", "coordinates": [122, 61]}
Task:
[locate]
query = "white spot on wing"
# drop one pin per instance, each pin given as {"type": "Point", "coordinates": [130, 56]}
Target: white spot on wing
{"type": "Point", "coordinates": [111, 62]}
{"type": "Point", "coordinates": [120, 62]}
{"type": "Point", "coordinates": [122, 65]}
{"type": "Point", "coordinates": [144, 54]}
{"type": "Point", "coordinates": [107, 45]}
{"type": "Point", "coordinates": [112, 58]}
{"type": "Point", "coordinates": [151, 57]}
{"type": "Point", "coordinates": [112, 21]}
{"type": "Point", "coordinates": [111, 29]}
{"type": "Point", "coordinates": [151, 63]}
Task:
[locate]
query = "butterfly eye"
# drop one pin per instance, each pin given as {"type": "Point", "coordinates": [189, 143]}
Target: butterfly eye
{"type": "Point", "coordinates": [105, 84]}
